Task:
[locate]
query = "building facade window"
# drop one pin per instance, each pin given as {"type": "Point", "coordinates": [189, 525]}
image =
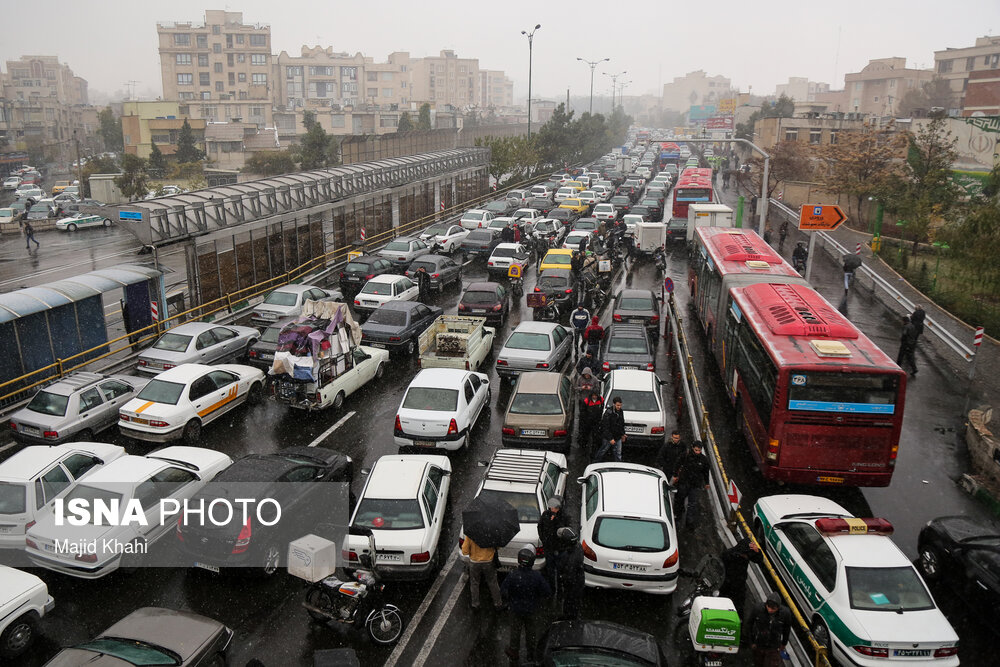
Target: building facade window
{"type": "Point", "coordinates": [241, 57]}
{"type": "Point", "coordinates": [185, 79]}
{"type": "Point", "coordinates": [216, 29]}
{"type": "Point", "coordinates": [992, 61]}
{"type": "Point", "coordinates": [217, 48]}
{"type": "Point", "coordinates": [387, 76]}
{"type": "Point", "coordinates": [202, 41]}
{"type": "Point", "coordinates": [371, 76]}
{"type": "Point", "coordinates": [944, 66]}
{"type": "Point", "coordinates": [292, 72]}
{"type": "Point", "coordinates": [239, 39]}
{"type": "Point", "coordinates": [372, 92]}
{"type": "Point", "coordinates": [182, 59]}
{"type": "Point", "coordinates": [293, 89]}
{"type": "Point", "coordinates": [241, 77]}
{"type": "Point", "coordinates": [348, 88]}
{"type": "Point", "coordinates": [229, 41]}
{"type": "Point", "coordinates": [261, 59]}
{"type": "Point", "coordinates": [337, 120]}
{"type": "Point", "coordinates": [232, 79]}
{"type": "Point", "coordinates": [257, 110]}
{"type": "Point", "coordinates": [321, 71]}
{"type": "Point", "coordinates": [350, 73]}
{"type": "Point", "coordinates": [833, 136]}
{"type": "Point", "coordinates": [258, 40]}
{"type": "Point", "coordinates": [322, 89]}
{"type": "Point", "coordinates": [892, 83]}
{"type": "Point", "coordinates": [791, 134]}
{"type": "Point", "coordinates": [218, 68]}
{"type": "Point", "coordinates": [206, 95]}
{"type": "Point", "coordinates": [186, 95]}
{"type": "Point", "coordinates": [230, 59]}
{"type": "Point", "coordinates": [219, 87]}
{"type": "Point", "coordinates": [182, 39]}
{"type": "Point", "coordinates": [204, 79]}
{"type": "Point", "coordinates": [387, 92]}
{"type": "Point", "coordinates": [202, 60]}
{"type": "Point", "coordinates": [388, 121]}
{"type": "Point", "coordinates": [259, 79]}
{"type": "Point", "coordinates": [970, 63]}
{"type": "Point", "coordinates": [814, 135]}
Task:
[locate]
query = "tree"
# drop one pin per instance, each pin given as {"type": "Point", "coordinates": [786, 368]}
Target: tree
{"type": "Point", "coordinates": [424, 117]}
{"type": "Point", "coordinates": [187, 151]}
{"type": "Point", "coordinates": [405, 123]}
{"type": "Point", "coordinates": [789, 162]}
{"type": "Point", "coordinates": [501, 156]}
{"type": "Point", "coordinates": [133, 181]}
{"type": "Point", "coordinates": [96, 165]}
{"type": "Point", "coordinates": [783, 107]}
{"type": "Point", "coordinates": [939, 93]}
{"type": "Point", "coordinates": [270, 163]}
{"type": "Point", "coordinates": [555, 138]}
{"type": "Point", "coordinates": [913, 104]}
{"type": "Point", "coordinates": [110, 130]}
{"type": "Point", "coordinates": [312, 150]}
{"type": "Point", "coordinates": [157, 162]}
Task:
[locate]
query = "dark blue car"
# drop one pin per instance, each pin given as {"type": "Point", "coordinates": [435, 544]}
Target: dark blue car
{"type": "Point", "coordinates": [396, 326]}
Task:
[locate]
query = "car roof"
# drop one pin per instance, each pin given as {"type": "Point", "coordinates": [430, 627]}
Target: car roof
{"type": "Point", "coordinates": [185, 372]}
{"type": "Point", "coordinates": [538, 382]}
{"type": "Point", "coordinates": [397, 476]}
{"type": "Point", "coordinates": [34, 459]}
{"type": "Point", "coordinates": [536, 327]}
{"type": "Point", "coordinates": [630, 379]}
{"type": "Point", "coordinates": [561, 273]}
{"type": "Point", "coordinates": [475, 210]}
{"type": "Point", "coordinates": [400, 305]}
{"type": "Point", "coordinates": [73, 382]}
{"type": "Point", "coordinates": [194, 328]}
{"type": "Point", "coordinates": [439, 377]}
{"type": "Point", "coordinates": [507, 246]}
{"type": "Point", "coordinates": [520, 465]}
{"type": "Point", "coordinates": [627, 330]}
{"type": "Point", "coordinates": [630, 489]}
{"type": "Point", "coordinates": [482, 287]}
{"type": "Point", "coordinates": [633, 293]}
{"type": "Point", "coordinates": [387, 278]}
{"type": "Point", "coordinates": [295, 289]}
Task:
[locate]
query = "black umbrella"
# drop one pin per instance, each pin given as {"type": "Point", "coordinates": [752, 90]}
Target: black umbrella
{"type": "Point", "coordinates": [490, 521]}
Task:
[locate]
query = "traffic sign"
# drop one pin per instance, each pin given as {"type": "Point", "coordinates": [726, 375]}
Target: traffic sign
{"type": "Point", "coordinates": [820, 217]}
{"type": "Point", "coordinates": [734, 495]}
{"type": "Point", "coordinates": [977, 339]}
{"type": "Point", "coordinates": [668, 285]}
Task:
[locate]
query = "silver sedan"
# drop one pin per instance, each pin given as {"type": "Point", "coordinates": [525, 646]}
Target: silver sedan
{"type": "Point", "coordinates": [197, 343]}
{"type": "Point", "coordinates": [403, 251]}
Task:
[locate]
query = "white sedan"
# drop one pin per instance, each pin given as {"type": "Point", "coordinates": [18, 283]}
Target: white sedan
{"type": "Point", "coordinates": [80, 221]}
{"type": "Point", "coordinates": [506, 254]}
{"type": "Point", "coordinates": [177, 403]}
{"type": "Point", "coordinates": [24, 602]}
{"type": "Point", "coordinates": [448, 236]}
{"type": "Point", "coordinates": [475, 218]}
{"type": "Point", "coordinates": [95, 549]}
{"type": "Point", "coordinates": [572, 240]}
{"type": "Point", "coordinates": [440, 407]}
{"type": "Point", "coordinates": [859, 593]}
{"type": "Point", "coordinates": [383, 289]}
{"type": "Point", "coordinates": [605, 212]}
{"type": "Point", "coordinates": [527, 215]}
{"type": "Point", "coordinates": [403, 503]}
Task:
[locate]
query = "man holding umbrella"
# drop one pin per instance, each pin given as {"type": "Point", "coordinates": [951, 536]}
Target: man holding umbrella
{"type": "Point", "coordinates": [488, 523]}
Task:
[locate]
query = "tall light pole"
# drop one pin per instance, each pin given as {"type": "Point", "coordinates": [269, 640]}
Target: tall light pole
{"type": "Point", "coordinates": [593, 64]}
{"type": "Point", "coordinates": [531, 38]}
{"type": "Point", "coordinates": [614, 85]}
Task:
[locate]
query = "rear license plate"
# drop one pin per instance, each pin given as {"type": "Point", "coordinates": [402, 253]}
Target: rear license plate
{"type": "Point", "coordinates": [424, 443]}
{"type": "Point", "coordinates": [380, 345]}
{"type": "Point", "coordinates": [636, 320]}
{"type": "Point", "coordinates": [140, 420]}
{"type": "Point", "coordinates": [371, 303]}
{"type": "Point", "coordinates": [6, 529]}
{"type": "Point", "coordinates": [389, 558]}
{"type": "Point", "coordinates": [628, 567]}
{"type": "Point", "coordinates": [629, 428]}
{"type": "Point", "coordinates": [825, 479]}
{"type": "Point", "coordinates": [49, 547]}
{"type": "Point", "coordinates": [354, 279]}
{"type": "Point", "coordinates": [532, 431]}
{"type": "Point", "coordinates": [626, 367]}
{"type": "Point", "coordinates": [267, 356]}
{"type": "Point", "coordinates": [30, 430]}
{"type": "Point", "coordinates": [206, 566]}
{"type": "Point", "coordinates": [912, 652]}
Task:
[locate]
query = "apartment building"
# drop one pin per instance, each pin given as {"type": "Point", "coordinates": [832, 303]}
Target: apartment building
{"type": "Point", "coordinates": [322, 78]}
{"type": "Point", "coordinates": [220, 69]}
{"type": "Point", "coordinates": [877, 89]}
{"type": "Point", "coordinates": [801, 89]}
{"type": "Point", "coordinates": [495, 89]}
{"type": "Point", "coordinates": [44, 76]}
{"type": "Point", "coordinates": [695, 88]}
{"type": "Point", "coordinates": [957, 66]}
{"type": "Point", "coordinates": [445, 80]}
{"type": "Point", "coordinates": [814, 130]}
{"type": "Point", "coordinates": [146, 123]}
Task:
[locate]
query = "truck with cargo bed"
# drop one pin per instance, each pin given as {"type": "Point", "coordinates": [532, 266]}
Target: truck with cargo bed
{"type": "Point", "coordinates": [456, 341]}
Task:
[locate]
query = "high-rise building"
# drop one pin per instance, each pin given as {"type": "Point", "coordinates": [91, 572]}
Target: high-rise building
{"type": "Point", "coordinates": [495, 89]}
{"type": "Point", "coordinates": [694, 89]}
{"type": "Point", "coordinates": [877, 89]}
{"type": "Point", "coordinates": [218, 70]}
{"type": "Point", "coordinates": [322, 78]}
{"type": "Point", "coordinates": [957, 66]}
{"type": "Point", "coordinates": [446, 80]}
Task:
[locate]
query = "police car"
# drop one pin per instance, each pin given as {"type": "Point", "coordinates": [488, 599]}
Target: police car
{"type": "Point", "coordinates": [859, 593]}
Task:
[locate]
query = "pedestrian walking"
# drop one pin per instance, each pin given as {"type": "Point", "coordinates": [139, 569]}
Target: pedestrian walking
{"type": "Point", "coordinates": [524, 589]}
{"type": "Point", "coordinates": [753, 208]}
{"type": "Point", "coordinates": [576, 263]}
{"type": "Point", "coordinates": [612, 431]}
{"type": "Point", "coordinates": [29, 236]}
{"type": "Point", "coordinates": [552, 520]}
{"type": "Point", "coordinates": [481, 568]}
{"type": "Point", "coordinates": [517, 233]}
{"type": "Point", "coordinates": [583, 244]}
{"type": "Point", "coordinates": [670, 451]}
{"type": "Point", "coordinates": [588, 360]}
{"type": "Point", "coordinates": [767, 235]}
{"type": "Point", "coordinates": [593, 335]}
{"type": "Point", "coordinates": [907, 347]}
{"type": "Point", "coordinates": [917, 318]}
{"type": "Point", "coordinates": [571, 575]}
{"type": "Point", "coordinates": [587, 383]}
{"type": "Point", "coordinates": [782, 234]}
{"type": "Point", "coordinates": [580, 319]}
{"type": "Point", "coordinates": [590, 422]}
{"type": "Point", "coordinates": [423, 284]}
{"type": "Point", "coordinates": [736, 560]}
{"type": "Point", "coordinates": [507, 234]}
{"type": "Point", "coordinates": [725, 179]}
{"type": "Point", "coordinates": [768, 627]}
{"type": "Point", "coordinates": [690, 475]}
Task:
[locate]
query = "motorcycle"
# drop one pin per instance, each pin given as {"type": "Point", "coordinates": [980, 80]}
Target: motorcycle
{"type": "Point", "coordinates": [708, 578]}
{"type": "Point", "coordinates": [359, 603]}
{"type": "Point", "coordinates": [660, 261]}
{"type": "Point", "coordinates": [543, 308]}
{"type": "Point", "coordinates": [515, 274]}
{"type": "Point", "coordinates": [799, 263]}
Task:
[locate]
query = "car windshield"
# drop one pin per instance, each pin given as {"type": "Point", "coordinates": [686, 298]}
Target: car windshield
{"type": "Point", "coordinates": [12, 498]}
{"type": "Point", "coordinates": [473, 215]}
{"type": "Point", "coordinates": [389, 514]}
{"type": "Point", "coordinates": [628, 345]}
{"type": "Point", "coordinates": [480, 237]}
{"type": "Point", "coordinates": [378, 289]}
{"type": "Point", "coordinates": [631, 534]}
{"type": "Point", "coordinates": [416, 266]}
{"type": "Point", "coordinates": [619, 199]}
{"type": "Point", "coordinates": [389, 318]}
{"type": "Point", "coordinates": [130, 651]}
{"type": "Point", "coordinates": [887, 589]}
{"type": "Point", "coordinates": [585, 224]}
{"type": "Point", "coordinates": [535, 404]}
{"type": "Point", "coordinates": [93, 493]}
{"type": "Point", "coordinates": [480, 297]}
{"type": "Point", "coordinates": [47, 403]}
{"type": "Point", "coordinates": [161, 391]}
{"type": "Point", "coordinates": [496, 206]}
{"type": "Point", "coordinates": [431, 398]}
{"type": "Point", "coordinates": [635, 303]}
{"type": "Point", "coordinates": [281, 299]}
{"type": "Point", "coordinates": [434, 230]}
{"type": "Point", "coordinates": [172, 342]}
{"type": "Point", "coordinates": [552, 282]}
{"type": "Point", "coordinates": [536, 342]}
{"type": "Point", "coordinates": [604, 208]}
{"type": "Point", "coordinates": [270, 335]}
{"type": "Point", "coordinates": [561, 258]}
{"type": "Point", "coordinates": [357, 267]}
{"type": "Point", "coordinates": [505, 252]}
{"type": "Point", "coordinates": [526, 504]}
{"type": "Point", "coordinates": [397, 246]}
{"type": "Point", "coordinates": [638, 401]}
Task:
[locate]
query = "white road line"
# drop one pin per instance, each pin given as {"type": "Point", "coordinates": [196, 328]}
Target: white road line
{"type": "Point", "coordinates": [432, 638]}
{"type": "Point", "coordinates": [422, 609]}
{"type": "Point", "coordinates": [340, 422]}
{"type": "Point", "coordinates": [7, 446]}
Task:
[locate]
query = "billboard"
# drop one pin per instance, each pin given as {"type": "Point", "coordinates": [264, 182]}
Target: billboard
{"type": "Point", "coordinates": [719, 123]}
{"type": "Point", "coordinates": [701, 111]}
{"type": "Point", "coordinates": [727, 107]}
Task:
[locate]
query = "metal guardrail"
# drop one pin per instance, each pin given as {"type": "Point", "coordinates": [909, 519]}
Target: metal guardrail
{"type": "Point", "coordinates": [946, 337]}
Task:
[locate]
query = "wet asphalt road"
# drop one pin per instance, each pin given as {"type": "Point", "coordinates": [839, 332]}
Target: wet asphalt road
{"type": "Point", "coordinates": [267, 616]}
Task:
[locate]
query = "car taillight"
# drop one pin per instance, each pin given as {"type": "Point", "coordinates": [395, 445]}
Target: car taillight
{"type": "Point", "coordinates": [87, 558]}
{"type": "Point", "coordinates": [946, 652]}
{"type": "Point", "coordinates": [616, 317]}
{"type": "Point", "coordinates": [179, 532]}
{"type": "Point", "coordinates": [655, 319]}
{"type": "Point", "coordinates": [872, 651]}
{"type": "Point", "coordinates": [606, 366]}
{"type": "Point", "coordinates": [243, 539]}
{"type": "Point", "coordinates": [369, 276]}
{"type": "Point", "coordinates": [394, 339]}
{"type": "Point", "coordinates": [167, 367]}
{"type": "Point", "coordinates": [489, 263]}
{"type": "Point", "coordinates": [351, 556]}
{"type": "Point", "coordinates": [124, 417]}
{"type": "Point", "coordinates": [13, 425]}
{"type": "Point", "coordinates": [252, 354]}
{"type": "Point", "coordinates": [538, 289]}
{"type": "Point", "coordinates": [51, 435]}
{"type": "Point", "coordinates": [157, 423]}
{"type": "Point", "coordinates": [671, 560]}
{"type": "Point", "coordinates": [772, 449]}
{"type": "Point", "coordinates": [28, 526]}
{"type": "Point", "coordinates": [342, 274]}
{"type": "Point", "coordinates": [542, 365]}
{"type": "Point", "coordinates": [559, 433]}
{"type": "Point", "coordinates": [497, 308]}
{"type": "Point", "coordinates": [650, 366]}
{"type": "Point", "coordinates": [506, 430]}
{"type": "Point", "coordinates": [462, 306]}
{"type": "Point", "coordinates": [398, 428]}
{"type": "Point", "coordinates": [656, 430]}
{"type": "Point", "coordinates": [357, 303]}
{"type": "Point", "coordinates": [588, 553]}
{"type": "Point", "coordinates": [30, 543]}
{"type": "Point", "coordinates": [461, 541]}
{"type": "Point", "coordinates": [452, 427]}
{"type": "Point", "coordinates": [421, 557]}
{"type": "Point", "coordinates": [435, 275]}
{"type": "Point", "coordinates": [893, 453]}
{"type": "Point", "coordinates": [501, 362]}
{"type": "Point", "coordinates": [569, 291]}
{"type": "Point", "coordinates": [143, 362]}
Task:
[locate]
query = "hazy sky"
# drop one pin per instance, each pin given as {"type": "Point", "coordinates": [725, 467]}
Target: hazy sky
{"type": "Point", "coordinates": [758, 44]}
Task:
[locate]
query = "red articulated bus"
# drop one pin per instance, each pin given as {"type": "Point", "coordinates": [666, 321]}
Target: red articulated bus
{"type": "Point", "coordinates": [816, 400]}
{"type": "Point", "coordinates": [693, 186]}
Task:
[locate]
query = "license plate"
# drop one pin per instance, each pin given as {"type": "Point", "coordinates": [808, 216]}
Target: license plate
{"type": "Point", "coordinates": [628, 567]}
{"type": "Point", "coordinates": [389, 558]}
{"type": "Point", "coordinates": [825, 479]}
{"type": "Point", "coordinates": [424, 443]}
{"type": "Point", "coordinates": [49, 547]}
{"type": "Point", "coordinates": [267, 356]}
{"type": "Point", "coordinates": [532, 431]}
{"type": "Point", "coordinates": [633, 429]}
{"type": "Point", "coordinates": [6, 529]}
{"type": "Point", "coordinates": [626, 367]}
{"type": "Point", "coordinates": [636, 320]}
{"type": "Point", "coordinates": [912, 652]}
{"type": "Point", "coordinates": [31, 430]}
{"type": "Point", "coordinates": [206, 566]}
{"type": "Point", "coordinates": [140, 420]}
{"type": "Point", "coordinates": [354, 279]}
{"type": "Point", "coordinates": [380, 345]}
{"type": "Point", "coordinates": [370, 303]}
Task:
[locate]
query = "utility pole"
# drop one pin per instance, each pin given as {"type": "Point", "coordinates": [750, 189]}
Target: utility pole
{"type": "Point", "coordinates": [531, 38]}
{"type": "Point", "coordinates": [79, 165]}
{"type": "Point", "coordinates": [593, 64]}
{"type": "Point", "coordinates": [614, 86]}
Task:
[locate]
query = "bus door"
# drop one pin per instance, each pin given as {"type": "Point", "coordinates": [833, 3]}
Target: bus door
{"type": "Point", "coordinates": [728, 353]}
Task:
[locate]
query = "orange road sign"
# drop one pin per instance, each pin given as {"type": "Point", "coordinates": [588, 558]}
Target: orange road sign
{"type": "Point", "coordinates": [820, 217]}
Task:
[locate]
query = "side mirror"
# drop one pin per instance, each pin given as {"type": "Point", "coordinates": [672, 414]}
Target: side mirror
{"type": "Point", "coordinates": [581, 480]}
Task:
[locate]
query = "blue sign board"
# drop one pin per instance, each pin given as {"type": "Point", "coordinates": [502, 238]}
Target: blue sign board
{"type": "Point", "coordinates": [130, 215]}
{"type": "Point", "coordinates": [829, 406]}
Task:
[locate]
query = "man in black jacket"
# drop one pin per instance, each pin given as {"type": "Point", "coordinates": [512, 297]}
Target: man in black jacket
{"type": "Point", "coordinates": [690, 474]}
{"type": "Point", "coordinates": [737, 561]}
{"type": "Point", "coordinates": [523, 589]}
{"type": "Point", "coordinates": [612, 430]}
{"type": "Point", "coordinates": [768, 627]}
{"type": "Point", "coordinates": [548, 525]}
{"type": "Point", "coordinates": [571, 575]}
{"type": "Point", "coordinates": [423, 284]}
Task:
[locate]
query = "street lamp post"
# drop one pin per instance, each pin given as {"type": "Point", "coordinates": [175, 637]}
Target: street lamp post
{"type": "Point", "coordinates": [593, 64]}
{"type": "Point", "coordinates": [614, 85]}
{"type": "Point", "coordinates": [531, 38]}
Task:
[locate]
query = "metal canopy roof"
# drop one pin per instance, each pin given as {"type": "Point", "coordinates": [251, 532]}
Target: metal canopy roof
{"type": "Point", "coordinates": [175, 217]}
{"type": "Point", "coordinates": [61, 292]}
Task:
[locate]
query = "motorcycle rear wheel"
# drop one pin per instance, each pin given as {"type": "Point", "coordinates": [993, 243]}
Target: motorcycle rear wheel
{"type": "Point", "coordinates": [321, 599]}
{"type": "Point", "coordinates": [386, 625]}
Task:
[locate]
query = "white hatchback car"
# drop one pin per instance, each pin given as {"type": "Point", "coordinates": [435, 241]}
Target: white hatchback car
{"type": "Point", "coordinates": [31, 479]}
{"type": "Point", "coordinates": [572, 240]}
{"type": "Point", "coordinates": [645, 414]}
{"type": "Point", "coordinates": [440, 407]}
{"type": "Point", "coordinates": [605, 212]}
{"type": "Point", "coordinates": [178, 402]}
{"type": "Point", "coordinates": [860, 594]}
{"type": "Point", "coordinates": [383, 289]}
{"type": "Point", "coordinates": [627, 528]}
{"type": "Point", "coordinates": [24, 600]}
{"type": "Point", "coordinates": [403, 503]}
{"type": "Point", "coordinates": [506, 254]}
{"type": "Point", "coordinates": [94, 550]}
{"type": "Point", "coordinates": [475, 218]}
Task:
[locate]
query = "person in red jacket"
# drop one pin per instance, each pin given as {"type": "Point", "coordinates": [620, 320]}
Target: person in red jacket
{"type": "Point", "coordinates": [594, 334]}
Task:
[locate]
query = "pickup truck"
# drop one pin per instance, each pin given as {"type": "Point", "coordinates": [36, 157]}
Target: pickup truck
{"type": "Point", "coordinates": [456, 341]}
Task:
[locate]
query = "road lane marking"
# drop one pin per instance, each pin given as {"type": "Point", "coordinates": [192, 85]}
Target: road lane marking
{"type": "Point", "coordinates": [442, 618]}
{"type": "Point", "coordinates": [422, 609]}
{"type": "Point", "coordinates": [8, 446]}
{"type": "Point", "coordinates": [333, 428]}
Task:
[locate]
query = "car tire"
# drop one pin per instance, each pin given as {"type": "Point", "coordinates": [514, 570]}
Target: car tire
{"type": "Point", "coordinates": [107, 222]}
{"type": "Point", "coordinates": [71, 227]}
{"type": "Point", "coordinates": [930, 562]}
{"type": "Point", "coordinates": [338, 400]}
{"type": "Point", "coordinates": [380, 371]}
{"type": "Point", "coordinates": [255, 394]}
{"type": "Point", "coordinates": [820, 633]}
{"type": "Point", "coordinates": [411, 347]}
{"type": "Point", "coordinates": [18, 636]}
{"type": "Point", "coordinates": [192, 431]}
